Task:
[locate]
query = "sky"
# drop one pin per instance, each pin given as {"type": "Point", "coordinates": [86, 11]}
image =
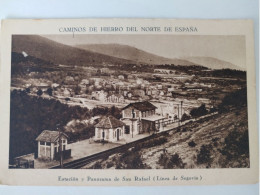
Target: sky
{"type": "Point", "coordinates": [228, 48]}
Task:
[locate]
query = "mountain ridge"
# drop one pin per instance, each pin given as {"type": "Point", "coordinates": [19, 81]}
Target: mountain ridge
{"type": "Point", "coordinates": [213, 63]}
{"type": "Point", "coordinates": [132, 53]}
{"type": "Point", "coordinates": [58, 53]}
{"type": "Point", "coordinates": [103, 54]}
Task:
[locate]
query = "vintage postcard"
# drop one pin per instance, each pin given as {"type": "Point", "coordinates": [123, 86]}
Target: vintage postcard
{"type": "Point", "coordinates": [128, 102]}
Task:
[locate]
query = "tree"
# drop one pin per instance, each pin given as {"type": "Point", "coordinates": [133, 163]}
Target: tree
{"type": "Point", "coordinates": [235, 99]}
{"type": "Point", "coordinates": [27, 90]}
{"type": "Point", "coordinates": [204, 155]}
{"type": "Point", "coordinates": [236, 145]}
{"type": "Point", "coordinates": [171, 161]}
{"type": "Point", "coordinates": [49, 91]}
{"type": "Point", "coordinates": [77, 90]}
{"type": "Point", "coordinates": [39, 92]}
{"type": "Point", "coordinates": [200, 111]}
{"type": "Point", "coordinates": [185, 117]}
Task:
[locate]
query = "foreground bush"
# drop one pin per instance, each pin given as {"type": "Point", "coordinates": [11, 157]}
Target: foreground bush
{"type": "Point", "coordinates": [171, 162]}
{"type": "Point", "coordinates": [204, 155]}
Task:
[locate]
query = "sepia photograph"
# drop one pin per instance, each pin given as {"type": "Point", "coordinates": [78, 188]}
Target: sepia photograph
{"type": "Point", "coordinates": [128, 101]}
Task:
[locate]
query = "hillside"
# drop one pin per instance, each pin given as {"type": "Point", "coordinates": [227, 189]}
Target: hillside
{"type": "Point", "coordinates": [57, 53]}
{"type": "Point", "coordinates": [220, 141]}
{"type": "Point", "coordinates": [132, 53]}
{"type": "Point", "coordinates": [212, 63]}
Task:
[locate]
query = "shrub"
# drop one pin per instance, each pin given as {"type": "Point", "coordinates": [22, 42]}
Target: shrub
{"type": "Point", "coordinates": [192, 144]}
{"type": "Point", "coordinates": [49, 91]}
{"type": "Point", "coordinates": [235, 99]}
{"type": "Point", "coordinates": [39, 92]}
{"type": "Point", "coordinates": [176, 162]}
{"type": "Point", "coordinates": [97, 165]}
{"type": "Point", "coordinates": [200, 111]}
{"type": "Point", "coordinates": [236, 144]}
{"type": "Point", "coordinates": [131, 160]}
{"type": "Point", "coordinates": [204, 155]}
{"type": "Point", "coordinates": [185, 117]}
{"type": "Point", "coordinates": [171, 162]}
{"type": "Point", "coordinates": [110, 164]}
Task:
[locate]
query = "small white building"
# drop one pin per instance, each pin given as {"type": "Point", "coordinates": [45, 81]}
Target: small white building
{"type": "Point", "coordinates": [109, 129]}
{"type": "Point", "coordinates": [115, 98]}
{"type": "Point", "coordinates": [48, 143]}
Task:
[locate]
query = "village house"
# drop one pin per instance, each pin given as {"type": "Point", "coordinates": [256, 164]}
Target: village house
{"type": "Point", "coordinates": [164, 71]}
{"type": "Point", "coordinates": [148, 92]}
{"type": "Point", "coordinates": [99, 95]}
{"type": "Point", "coordinates": [43, 86]}
{"type": "Point", "coordinates": [129, 95]}
{"type": "Point", "coordinates": [105, 70]}
{"type": "Point", "coordinates": [48, 144]}
{"type": "Point", "coordinates": [109, 129]}
{"type": "Point", "coordinates": [138, 92]}
{"type": "Point", "coordinates": [115, 98]}
{"type": "Point", "coordinates": [159, 86]}
{"type": "Point", "coordinates": [84, 82]}
{"type": "Point", "coordinates": [140, 117]}
{"type": "Point", "coordinates": [139, 81]}
{"type": "Point", "coordinates": [121, 77]}
{"type": "Point", "coordinates": [55, 85]}
{"type": "Point", "coordinates": [67, 92]}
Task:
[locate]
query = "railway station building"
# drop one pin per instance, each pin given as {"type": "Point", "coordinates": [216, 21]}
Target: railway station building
{"type": "Point", "coordinates": [48, 143]}
{"type": "Point", "coordinates": [140, 117]}
{"type": "Point", "coordinates": [109, 129]}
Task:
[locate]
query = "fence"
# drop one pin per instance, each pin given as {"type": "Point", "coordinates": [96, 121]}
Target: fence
{"type": "Point", "coordinates": [22, 164]}
{"type": "Point", "coordinates": [66, 154]}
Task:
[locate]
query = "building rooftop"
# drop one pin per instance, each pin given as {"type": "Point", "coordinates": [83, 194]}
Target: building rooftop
{"type": "Point", "coordinates": [49, 136]}
{"type": "Point", "coordinates": [142, 106]}
{"type": "Point", "coordinates": [109, 122]}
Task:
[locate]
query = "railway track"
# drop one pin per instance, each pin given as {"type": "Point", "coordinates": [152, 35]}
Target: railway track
{"type": "Point", "coordinates": [76, 164]}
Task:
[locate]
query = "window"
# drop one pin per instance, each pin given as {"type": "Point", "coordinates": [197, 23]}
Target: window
{"type": "Point", "coordinates": [48, 143]}
{"type": "Point", "coordinates": [42, 143]}
{"type": "Point", "coordinates": [133, 114]}
{"type": "Point", "coordinates": [64, 148]}
{"type": "Point", "coordinates": [63, 141]}
{"type": "Point", "coordinates": [98, 133]}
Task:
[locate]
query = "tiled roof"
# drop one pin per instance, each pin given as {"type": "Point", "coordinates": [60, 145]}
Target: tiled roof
{"type": "Point", "coordinates": [49, 136]}
{"type": "Point", "coordinates": [142, 106]}
{"type": "Point", "coordinates": [109, 122]}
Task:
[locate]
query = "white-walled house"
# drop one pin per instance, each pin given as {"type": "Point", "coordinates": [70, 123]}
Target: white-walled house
{"type": "Point", "coordinates": [48, 143]}
{"type": "Point", "coordinates": [109, 129]}
{"type": "Point", "coordinates": [140, 117]}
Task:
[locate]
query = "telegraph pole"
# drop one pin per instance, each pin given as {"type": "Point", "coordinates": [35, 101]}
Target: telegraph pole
{"type": "Point", "coordinates": [132, 123]}
{"type": "Point", "coordinates": [178, 115]}
{"type": "Point", "coordinates": [60, 147]}
{"type": "Point", "coordinates": [103, 135]}
{"type": "Point", "coordinates": [181, 108]}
